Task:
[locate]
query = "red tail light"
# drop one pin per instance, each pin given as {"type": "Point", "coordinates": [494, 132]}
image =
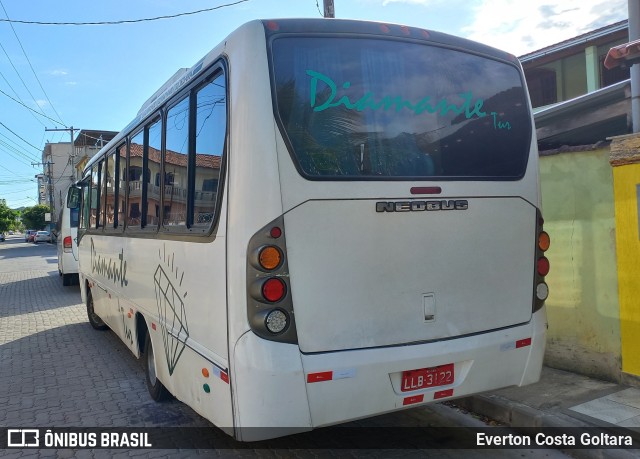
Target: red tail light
{"type": "Point", "coordinates": [543, 266]}
{"type": "Point", "coordinates": [273, 290]}
{"type": "Point", "coordinates": [66, 243]}
{"type": "Point", "coordinates": [269, 299]}
{"type": "Point", "coordinates": [541, 289]}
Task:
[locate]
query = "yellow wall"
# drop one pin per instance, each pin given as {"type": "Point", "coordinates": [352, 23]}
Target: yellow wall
{"type": "Point", "coordinates": [626, 181]}
{"type": "Point", "coordinates": [582, 308]}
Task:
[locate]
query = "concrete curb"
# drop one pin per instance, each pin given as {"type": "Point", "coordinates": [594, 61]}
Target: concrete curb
{"type": "Point", "coordinates": [515, 414]}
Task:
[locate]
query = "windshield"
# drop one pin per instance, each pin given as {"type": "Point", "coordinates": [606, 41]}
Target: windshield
{"type": "Point", "coordinates": [360, 108]}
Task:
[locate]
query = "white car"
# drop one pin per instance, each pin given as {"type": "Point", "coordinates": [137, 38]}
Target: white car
{"type": "Point", "coordinates": [42, 236]}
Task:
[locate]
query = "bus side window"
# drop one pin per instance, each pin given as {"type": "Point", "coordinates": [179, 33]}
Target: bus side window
{"type": "Point", "coordinates": [211, 128]}
{"type": "Point", "coordinates": [121, 184]}
{"type": "Point", "coordinates": [175, 166]}
{"type": "Point", "coordinates": [94, 196]}
{"type": "Point", "coordinates": [85, 206]}
{"type": "Point", "coordinates": [102, 192]}
{"type": "Point", "coordinates": [153, 140]}
{"type": "Point", "coordinates": [134, 180]}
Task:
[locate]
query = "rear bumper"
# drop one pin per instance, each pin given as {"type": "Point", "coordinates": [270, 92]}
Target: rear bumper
{"type": "Point", "coordinates": [369, 382]}
{"type": "Point", "coordinates": [276, 386]}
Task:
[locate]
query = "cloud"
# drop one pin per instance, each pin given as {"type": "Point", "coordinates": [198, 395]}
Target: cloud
{"type": "Point", "coordinates": [71, 83]}
{"type": "Point", "coordinates": [58, 72]}
{"type": "Point", "coordinates": [42, 103]}
{"type": "Point", "coordinates": [522, 27]}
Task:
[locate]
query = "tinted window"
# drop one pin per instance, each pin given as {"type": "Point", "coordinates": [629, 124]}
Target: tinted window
{"type": "Point", "coordinates": [154, 132]}
{"type": "Point", "coordinates": [210, 127]}
{"type": "Point", "coordinates": [74, 217]}
{"type": "Point", "coordinates": [135, 180]}
{"type": "Point", "coordinates": [390, 109]}
{"type": "Point", "coordinates": [121, 160]}
{"type": "Point", "coordinates": [175, 165]}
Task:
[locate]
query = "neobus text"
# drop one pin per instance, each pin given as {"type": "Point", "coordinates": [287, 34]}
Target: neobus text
{"type": "Point", "coordinates": [418, 206]}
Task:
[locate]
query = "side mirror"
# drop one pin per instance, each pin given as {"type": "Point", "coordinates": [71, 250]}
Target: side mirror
{"type": "Point", "coordinates": [73, 197]}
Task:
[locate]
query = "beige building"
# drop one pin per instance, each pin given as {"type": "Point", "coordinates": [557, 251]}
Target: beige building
{"type": "Point", "coordinates": [59, 165]}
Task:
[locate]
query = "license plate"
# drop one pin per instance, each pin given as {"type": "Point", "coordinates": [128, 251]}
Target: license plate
{"type": "Point", "coordinates": [427, 377]}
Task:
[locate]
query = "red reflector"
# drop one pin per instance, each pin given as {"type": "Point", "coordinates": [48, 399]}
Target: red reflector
{"type": "Point", "coordinates": [426, 190]}
{"type": "Point", "coordinates": [443, 394]}
{"type": "Point", "coordinates": [275, 232]}
{"type": "Point", "coordinates": [543, 266]}
{"type": "Point", "coordinates": [153, 326]}
{"type": "Point", "coordinates": [425, 34]}
{"type": "Point", "coordinates": [66, 243]}
{"type": "Point", "coordinates": [523, 342]}
{"type": "Point", "coordinates": [273, 290]}
{"type": "Point", "coordinates": [224, 377]}
{"type": "Point", "coordinates": [273, 25]}
{"type": "Point", "coordinates": [405, 30]}
{"type": "Point", "coordinates": [385, 28]}
{"type": "Point", "coordinates": [322, 376]}
{"type": "Point", "coordinates": [413, 399]}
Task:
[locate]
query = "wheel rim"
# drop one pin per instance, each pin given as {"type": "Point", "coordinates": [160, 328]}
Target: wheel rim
{"type": "Point", "coordinates": [151, 365]}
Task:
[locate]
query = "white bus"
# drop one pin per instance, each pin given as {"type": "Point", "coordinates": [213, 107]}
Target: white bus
{"type": "Point", "coordinates": [323, 220]}
{"type": "Point", "coordinates": [66, 240]}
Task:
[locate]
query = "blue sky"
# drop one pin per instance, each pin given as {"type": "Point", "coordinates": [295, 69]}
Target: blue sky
{"type": "Point", "coordinates": [97, 77]}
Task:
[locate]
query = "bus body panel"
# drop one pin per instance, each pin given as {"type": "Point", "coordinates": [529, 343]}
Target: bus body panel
{"type": "Point", "coordinates": [162, 280]}
{"type": "Point", "coordinates": [373, 279]}
{"type": "Point", "coordinates": [342, 254]}
{"type": "Point", "coordinates": [368, 381]}
{"type": "Point", "coordinates": [269, 389]}
{"type": "Point", "coordinates": [67, 257]}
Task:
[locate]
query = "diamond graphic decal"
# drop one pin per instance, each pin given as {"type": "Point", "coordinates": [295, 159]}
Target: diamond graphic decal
{"type": "Point", "coordinates": [172, 318]}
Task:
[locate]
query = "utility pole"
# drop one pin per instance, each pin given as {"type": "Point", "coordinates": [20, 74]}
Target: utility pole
{"type": "Point", "coordinates": [49, 186]}
{"type": "Point", "coordinates": [329, 10]}
{"type": "Point", "coordinates": [72, 154]}
{"type": "Point", "coordinates": [50, 174]}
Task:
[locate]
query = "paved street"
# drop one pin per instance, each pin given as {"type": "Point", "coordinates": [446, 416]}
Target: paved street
{"type": "Point", "coordinates": [57, 371]}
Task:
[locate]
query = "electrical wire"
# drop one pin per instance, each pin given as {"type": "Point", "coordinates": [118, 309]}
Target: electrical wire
{"type": "Point", "coordinates": [28, 143]}
{"type": "Point", "coordinates": [31, 66]}
{"type": "Point", "coordinates": [126, 21]}
{"type": "Point", "coordinates": [20, 78]}
{"type": "Point", "coordinates": [19, 100]}
{"type": "Point", "coordinates": [29, 108]}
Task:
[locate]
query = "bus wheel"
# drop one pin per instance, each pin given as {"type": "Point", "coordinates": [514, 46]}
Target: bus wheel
{"type": "Point", "coordinates": [156, 389]}
{"type": "Point", "coordinates": [67, 279]}
{"type": "Point", "coordinates": [95, 321]}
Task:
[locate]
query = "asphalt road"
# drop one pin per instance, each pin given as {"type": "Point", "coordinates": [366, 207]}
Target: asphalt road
{"type": "Point", "coordinates": [57, 372]}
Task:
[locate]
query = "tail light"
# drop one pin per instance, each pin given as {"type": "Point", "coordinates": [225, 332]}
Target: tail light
{"type": "Point", "coordinates": [269, 303]}
{"type": "Point", "coordinates": [542, 265]}
{"type": "Point", "coordinates": [66, 244]}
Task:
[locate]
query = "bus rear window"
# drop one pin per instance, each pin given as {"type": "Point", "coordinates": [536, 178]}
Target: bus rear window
{"type": "Point", "coordinates": [360, 108]}
{"type": "Point", "coordinates": [74, 217]}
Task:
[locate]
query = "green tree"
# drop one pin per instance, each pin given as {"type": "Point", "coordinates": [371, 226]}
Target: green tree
{"type": "Point", "coordinates": [7, 218]}
{"type": "Point", "coordinates": [33, 217]}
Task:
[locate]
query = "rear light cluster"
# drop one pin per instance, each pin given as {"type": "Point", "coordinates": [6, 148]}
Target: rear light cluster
{"type": "Point", "coordinates": [542, 265]}
{"type": "Point", "coordinates": [66, 244]}
{"type": "Point", "coordinates": [269, 305]}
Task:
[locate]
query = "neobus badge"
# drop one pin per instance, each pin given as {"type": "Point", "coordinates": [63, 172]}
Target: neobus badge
{"type": "Point", "coordinates": [417, 206]}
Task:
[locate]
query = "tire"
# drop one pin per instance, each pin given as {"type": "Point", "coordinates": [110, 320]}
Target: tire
{"type": "Point", "coordinates": [67, 280]}
{"type": "Point", "coordinates": [95, 321]}
{"type": "Point", "coordinates": [156, 389]}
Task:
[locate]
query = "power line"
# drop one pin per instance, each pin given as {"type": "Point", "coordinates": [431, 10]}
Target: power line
{"type": "Point", "coordinates": [20, 77]}
{"type": "Point", "coordinates": [30, 144]}
{"type": "Point", "coordinates": [31, 66]}
{"type": "Point", "coordinates": [126, 21]}
{"type": "Point", "coordinates": [20, 100]}
{"type": "Point", "coordinates": [29, 108]}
